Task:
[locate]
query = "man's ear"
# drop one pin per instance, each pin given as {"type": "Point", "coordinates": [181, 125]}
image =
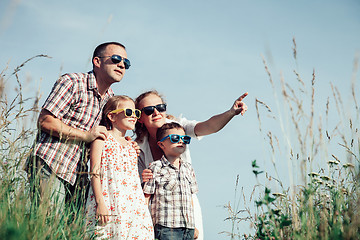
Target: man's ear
{"type": "Point", "coordinates": [96, 61]}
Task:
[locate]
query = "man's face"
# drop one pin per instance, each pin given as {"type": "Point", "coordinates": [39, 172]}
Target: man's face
{"type": "Point", "coordinates": [108, 71]}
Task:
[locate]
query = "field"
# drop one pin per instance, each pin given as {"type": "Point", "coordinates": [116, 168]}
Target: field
{"type": "Point", "coordinates": [320, 144]}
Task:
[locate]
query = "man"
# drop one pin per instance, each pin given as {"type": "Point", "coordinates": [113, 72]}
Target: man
{"type": "Point", "coordinates": [69, 121]}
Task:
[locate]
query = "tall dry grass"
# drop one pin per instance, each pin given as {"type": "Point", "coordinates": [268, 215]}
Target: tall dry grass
{"type": "Point", "coordinates": [21, 218]}
{"type": "Point", "coordinates": [320, 146]}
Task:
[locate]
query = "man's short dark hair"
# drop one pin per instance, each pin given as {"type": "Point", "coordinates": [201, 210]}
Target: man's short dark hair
{"type": "Point", "coordinates": [101, 48]}
{"type": "Point", "coordinates": [161, 131]}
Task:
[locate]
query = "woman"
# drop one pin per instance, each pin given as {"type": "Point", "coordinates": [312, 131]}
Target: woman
{"type": "Point", "coordinates": [154, 115]}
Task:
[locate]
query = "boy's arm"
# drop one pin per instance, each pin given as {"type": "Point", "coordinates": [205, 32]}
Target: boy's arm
{"type": "Point", "coordinates": [217, 122]}
{"type": "Point", "coordinates": [149, 186]}
{"type": "Point", "coordinates": [196, 232]}
{"type": "Point", "coordinates": [193, 183]}
{"type": "Point", "coordinates": [147, 198]}
{"type": "Point", "coordinates": [102, 212]}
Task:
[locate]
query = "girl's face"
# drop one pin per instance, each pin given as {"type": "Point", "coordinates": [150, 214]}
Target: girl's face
{"type": "Point", "coordinates": [156, 119]}
{"type": "Point", "coordinates": [120, 120]}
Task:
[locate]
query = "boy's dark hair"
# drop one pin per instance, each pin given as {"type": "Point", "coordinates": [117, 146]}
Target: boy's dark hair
{"type": "Point", "coordinates": [161, 131]}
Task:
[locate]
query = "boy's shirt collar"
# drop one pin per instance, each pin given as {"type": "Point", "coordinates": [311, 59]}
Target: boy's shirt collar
{"type": "Point", "coordinates": [166, 163]}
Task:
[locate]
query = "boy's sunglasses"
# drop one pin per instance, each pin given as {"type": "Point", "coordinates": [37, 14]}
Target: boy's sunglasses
{"type": "Point", "coordinates": [150, 109]}
{"type": "Point", "coordinates": [116, 59]}
{"type": "Point", "coordinates": [174, 138]}
{"type": "Point", "coordinates": [128, 112]}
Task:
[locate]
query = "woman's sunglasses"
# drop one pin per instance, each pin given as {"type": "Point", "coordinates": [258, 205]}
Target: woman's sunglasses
{"type": "Point", "coordinates": [150, 109]}
{"type": "Point", "coordinates": [128, 112]}
{"type": "Point", "coordinates": [174, 138]}
{"type": "Point", "coordinates": [116, 59]}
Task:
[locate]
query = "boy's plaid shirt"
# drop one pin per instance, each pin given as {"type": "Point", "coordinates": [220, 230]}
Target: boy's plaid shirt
{"type": "Point", "coordinates": [76, 101]}
{"type": "Point", "coordinates": [171, 204]}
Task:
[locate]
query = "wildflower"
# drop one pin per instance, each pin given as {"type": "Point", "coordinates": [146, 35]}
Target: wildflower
{"type": "Point", "coordinates": [279, 195]}
{"type": "Point", "coordinates": [325, 178]}
{"type": "Point", "coordinates": [329, 185]}
{"type": "Point", "coordinates": [317, 180]}
{"type": "Point", "coordinates": [332, 162]}
{"type": "Point", "coordinates": [346, 165]}
{"type": "Point", "coordinates": [277, 211]}
{"type": "Point", "coordinates": [344, 191]}
{"type": "Point", "coordinates": [324, 195]}
{"type": "Point", "coordinates": [313, 174]}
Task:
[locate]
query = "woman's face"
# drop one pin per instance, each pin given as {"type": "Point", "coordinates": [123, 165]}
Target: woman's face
{"type": "Point", "coordinates": [156, 119]}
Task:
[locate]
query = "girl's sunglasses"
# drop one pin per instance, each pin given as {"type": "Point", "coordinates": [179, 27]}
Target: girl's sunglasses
{"type": "Point", "coordinates": [128, 112]}
{"type": "Point", "coordinates": [174, 138]}
{"type": "Point", "coordinates": [116, 59]}
{"type": "Point", "coordinates": [150, 109]}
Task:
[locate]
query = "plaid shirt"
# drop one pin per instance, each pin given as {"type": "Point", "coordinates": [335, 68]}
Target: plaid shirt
{"type": "Point", "coordinates": [76, 101]}
{"type": "Point", "coordinates": [171, 205]}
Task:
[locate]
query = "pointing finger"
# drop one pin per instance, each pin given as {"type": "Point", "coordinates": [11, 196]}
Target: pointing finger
{"type": "Point", "coordinates": [243, 96]}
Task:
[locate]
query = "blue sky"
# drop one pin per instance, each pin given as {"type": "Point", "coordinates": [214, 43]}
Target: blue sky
{"type": "Point", "coordinates": [201, 55]}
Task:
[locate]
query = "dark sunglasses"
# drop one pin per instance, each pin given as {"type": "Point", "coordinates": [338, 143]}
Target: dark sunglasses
{"type": "Point", "coordinates": [116, 59]}
{"type": "Point", "coordinates": [150, 109]}
{"type": "Point", "coordinates": [174, 138]}
{"type": "Point", "coordinates": [128, 112]}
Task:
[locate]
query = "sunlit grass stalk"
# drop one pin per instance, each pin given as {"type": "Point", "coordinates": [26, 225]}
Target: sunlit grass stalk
{"type": "Point", "coordinates": [322, 198]}
{"type": "Point", "coordinates": [21, 218]}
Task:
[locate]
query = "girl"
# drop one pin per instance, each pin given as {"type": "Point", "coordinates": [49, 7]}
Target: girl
{"type": "Point", "coordinates": [116, 207]}
{"type": "Point", "coordinates": [154, 116]}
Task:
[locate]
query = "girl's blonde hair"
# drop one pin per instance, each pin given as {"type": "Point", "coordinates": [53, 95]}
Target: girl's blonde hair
{"type": "Point", "coordinates": [111, 105]}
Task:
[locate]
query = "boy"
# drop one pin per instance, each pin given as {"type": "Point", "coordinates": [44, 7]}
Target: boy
{"type": "Point", "coordinates": [172, 186]}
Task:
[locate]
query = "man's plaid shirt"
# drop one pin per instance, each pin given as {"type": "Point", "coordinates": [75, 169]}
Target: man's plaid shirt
{"type": "Point", "coordinates": [171, 204]}
{"type": "Point", "coordinates": [74, 100]}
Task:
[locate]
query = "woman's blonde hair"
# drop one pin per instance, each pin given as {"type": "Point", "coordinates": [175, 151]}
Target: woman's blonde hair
{"type": "Point", "coordinates": [111, 105]}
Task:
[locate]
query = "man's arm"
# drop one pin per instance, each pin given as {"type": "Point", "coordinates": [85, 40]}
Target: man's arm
{"type": "Point", "coordinates": [217, 122]}
{"type": "Point", "coordinates": [54, 126]}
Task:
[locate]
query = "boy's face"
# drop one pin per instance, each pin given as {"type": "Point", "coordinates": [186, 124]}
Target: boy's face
{"type": "Point", "coordinates": [173, 149]}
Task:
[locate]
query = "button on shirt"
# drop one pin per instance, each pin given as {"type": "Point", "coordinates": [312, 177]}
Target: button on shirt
{"type": "Point", "coordinates": [172, 188]}
{"type": "Point", "coordinates": [74, 100]}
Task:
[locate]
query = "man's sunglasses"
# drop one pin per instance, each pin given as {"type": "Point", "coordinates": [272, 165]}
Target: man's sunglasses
{"type": "Point", "coordinates": [128, 112]}
{"type": "Point", "coordinates": [174, 138]}
{"type": "Point", "coordinates": [150, 109]}
{"type": "Point", "coordinates": [116, 59]}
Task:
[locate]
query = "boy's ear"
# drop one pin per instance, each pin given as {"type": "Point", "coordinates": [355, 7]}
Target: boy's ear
{"type": "Point", "coordinates": [161, 145]}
